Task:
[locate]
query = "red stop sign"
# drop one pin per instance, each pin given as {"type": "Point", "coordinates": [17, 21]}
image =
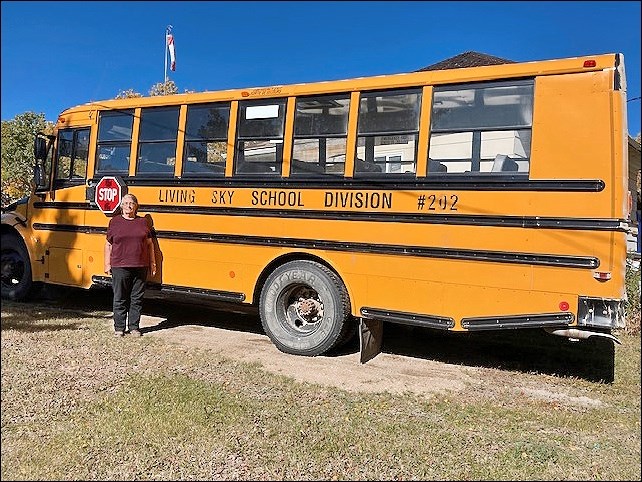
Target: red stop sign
{"type": "Point", "coordinates": [109, 192]}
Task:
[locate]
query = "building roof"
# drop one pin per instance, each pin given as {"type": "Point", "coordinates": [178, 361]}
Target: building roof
{"type": "Point", "coordinates": [467, 59]}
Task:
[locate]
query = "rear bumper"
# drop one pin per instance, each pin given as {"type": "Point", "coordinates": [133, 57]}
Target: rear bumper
{"type": "Point", "coordinates": [600, 312]}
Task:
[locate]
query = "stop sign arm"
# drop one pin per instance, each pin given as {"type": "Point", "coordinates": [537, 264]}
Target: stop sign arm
{"type": "Point", "coordinates": [108, 193]}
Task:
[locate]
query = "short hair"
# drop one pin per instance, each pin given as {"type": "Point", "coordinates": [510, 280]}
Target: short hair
{"type": "Point", "coordinates": [134, 198]}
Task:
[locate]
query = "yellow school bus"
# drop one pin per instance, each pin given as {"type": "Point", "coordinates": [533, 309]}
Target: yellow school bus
{"type": "Point", "coordinates": [481, 198]}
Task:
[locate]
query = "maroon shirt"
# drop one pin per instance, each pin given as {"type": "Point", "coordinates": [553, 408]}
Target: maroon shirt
{"type": "Point", "coordinates": [128, 239]}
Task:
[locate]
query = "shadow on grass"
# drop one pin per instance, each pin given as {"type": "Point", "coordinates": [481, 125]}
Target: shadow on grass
{"type": "Point", "coordinates": [27, 326]}
{"type": "Point", "coordinates": [528, 350]}
{"type": "Point", "coordinates": [178, 311]}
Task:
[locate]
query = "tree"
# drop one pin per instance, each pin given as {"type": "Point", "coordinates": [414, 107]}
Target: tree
{"type": "Point", "coordinates": [127, 94]}
{"type": "Point", "coordinates": [161, 88]}
{"type": "Point", "coordinates": [164, 88]}
{"type": "Point", "coordinates": [17, 153]}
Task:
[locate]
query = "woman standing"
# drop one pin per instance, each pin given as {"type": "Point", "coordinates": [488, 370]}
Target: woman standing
{"type": "Point", "coordinates": [129, 256]}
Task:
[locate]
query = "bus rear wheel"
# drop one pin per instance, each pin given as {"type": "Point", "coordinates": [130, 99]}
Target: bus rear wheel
{"type": "Point", "coordinates": [15, 268]}
{"type": "Point", "coordinates": [305, 308]}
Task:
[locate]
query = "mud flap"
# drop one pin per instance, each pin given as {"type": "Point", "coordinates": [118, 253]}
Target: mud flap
{"type": "Point", "coordinates": [370, 339]}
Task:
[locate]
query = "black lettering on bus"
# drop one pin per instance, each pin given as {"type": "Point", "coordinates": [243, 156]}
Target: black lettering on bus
{"type": "Point", "coordinates": [432, 199]}
{"type": "Point", "coordinates": [358, 200]}
{"type": "Point", "coordinates": [276, 198]}
{"type": "Point", "coordinates": [387, 200]}
{"type": "Point", "coordinates": [183, 196]}
{"type": "Point", "coordinates": [223, 197]}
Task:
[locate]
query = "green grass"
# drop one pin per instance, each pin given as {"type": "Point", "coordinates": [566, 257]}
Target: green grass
{"type": "Point", "coordinates": [632, 306]}
{"type": "Point", "coordinates": [79, 404]}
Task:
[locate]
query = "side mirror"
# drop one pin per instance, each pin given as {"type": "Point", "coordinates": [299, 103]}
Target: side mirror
{"type": "Point", "coordinates": [40, 148]}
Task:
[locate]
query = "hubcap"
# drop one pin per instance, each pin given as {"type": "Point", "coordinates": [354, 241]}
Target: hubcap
{"type": "Point", "coordinates": [303, 309]}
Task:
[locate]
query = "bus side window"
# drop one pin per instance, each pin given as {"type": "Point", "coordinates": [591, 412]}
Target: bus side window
{"type": "Point", "coordinates": [482, 129]}
{"type": "Point", "coordinates": [388, 132]}
{"type": "Point", "coordinates": [81, 154]}
{"type": "Point", "coordinates": [65, 150]}
{"type": "Point", "coordinates": [157, 141]}
{"type": "Point", "coordinates": [206, 140]}
{"type": "Point", "coordinates": [114, 142]}
{"type": "Point", "coordinates": [320, 135]}
{"type": "Point", "coordinates": [71, 158]}
{"type": "Point", "coordinates": [259, 139]}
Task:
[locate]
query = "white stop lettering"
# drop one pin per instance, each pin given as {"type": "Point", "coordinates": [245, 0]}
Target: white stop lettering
{"type": "Point", "coordinates": [107, 194]}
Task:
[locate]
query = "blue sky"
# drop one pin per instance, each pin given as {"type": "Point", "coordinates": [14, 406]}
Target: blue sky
{"type": "Point", "coordinates": [59, 54]}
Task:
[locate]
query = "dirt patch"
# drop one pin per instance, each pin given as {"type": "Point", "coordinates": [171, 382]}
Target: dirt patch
{"type": "Point", "coordinates": [413, 360]}
{"type": "Point", "coordinates": [385, 373]}
{"type": "Point", "coordinates": [561, 397]}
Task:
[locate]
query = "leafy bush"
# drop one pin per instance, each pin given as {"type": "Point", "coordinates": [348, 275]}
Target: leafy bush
{"type": "Point", "coordinates": [17, 153]}
{"type": "Point", "coordinates": [633, 293]}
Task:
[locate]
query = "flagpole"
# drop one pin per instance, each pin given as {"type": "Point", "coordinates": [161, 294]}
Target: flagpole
{"type": "Point", "coordinates": [166, 47]}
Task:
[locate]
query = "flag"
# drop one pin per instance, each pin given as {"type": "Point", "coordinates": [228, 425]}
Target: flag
{"type": "Point", "coordinates": [170, 46]}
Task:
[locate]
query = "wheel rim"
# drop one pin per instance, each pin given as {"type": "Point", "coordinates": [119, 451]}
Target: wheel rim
{"type": "Point", "coordinates": [13, 269]}
{"type": "Point", "coordinates": [301, 308]}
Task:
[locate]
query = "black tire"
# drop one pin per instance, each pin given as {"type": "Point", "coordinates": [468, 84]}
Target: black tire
{"type": "Point", "coordinates": [17, 282]}
{"type": "Point", "coordinates": [305, 308]}
{"type": "Point", "coordinates": [350, 332]}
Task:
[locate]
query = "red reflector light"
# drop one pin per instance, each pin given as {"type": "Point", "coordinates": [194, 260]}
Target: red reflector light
{"type": "Point", "coordinates": [564, 306]}
{"type": "Point", "coordinates": [590, 63]}
{"type": "Point", "coordinates": [602, 275]}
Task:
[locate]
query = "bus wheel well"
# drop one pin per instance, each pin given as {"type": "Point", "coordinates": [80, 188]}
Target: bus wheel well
{"type": "Point", "coordinates": [17, 282]}
{"type": "Point", "coordinates": [6, 229]}
{"type": "Point", "coordinates": [282, 260]}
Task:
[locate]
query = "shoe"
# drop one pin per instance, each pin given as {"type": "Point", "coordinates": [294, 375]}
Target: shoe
{"type": "Point", "coordinates": [135, 333]}
{"type": "Point", "coordinates": [118, 334]}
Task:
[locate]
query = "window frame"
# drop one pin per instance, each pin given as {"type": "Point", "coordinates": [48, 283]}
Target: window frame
{"type": "Point", "coordinates": [70, 180]}
{"type": "Point", "coordinates": [143, 143]}
{"type": "Point", "coordinates": [239, 154]}
{"type": "Point", "coordinates": [323, 160]}
{"type": "Point", "coordinates": [371, 135]}
{"type": "Point", "coordinates": [118, 143]}
{"type": "Point", "coordinates": [477, 132]}
{"type": "Point", "coordinates": [222, 138]}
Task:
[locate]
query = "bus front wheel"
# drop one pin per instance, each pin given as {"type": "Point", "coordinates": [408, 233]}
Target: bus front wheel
{"type": "Point", "coordinates": [305, 308]}
{"type": "Point", "coordinates": [16, 269]}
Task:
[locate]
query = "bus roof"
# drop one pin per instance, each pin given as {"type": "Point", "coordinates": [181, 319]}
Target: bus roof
{"type": "Point", "coordinates": [410, 79]}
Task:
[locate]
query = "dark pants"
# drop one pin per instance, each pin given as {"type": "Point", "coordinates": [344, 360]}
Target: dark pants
{"type": "Point", "coordinates": [129, 287]}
